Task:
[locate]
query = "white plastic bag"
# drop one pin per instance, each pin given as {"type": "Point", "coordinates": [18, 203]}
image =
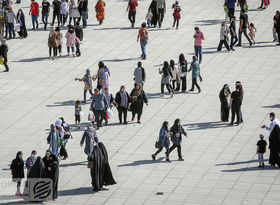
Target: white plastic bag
{"type": "Point", "coordinates": [109, 113]}
{"type": "Point", "coordinates": [17, 27]}
{"type": "Point", "coordinates": [91, 116]}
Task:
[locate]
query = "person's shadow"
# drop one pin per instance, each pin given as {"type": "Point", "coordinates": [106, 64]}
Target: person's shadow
{"type": "Point", "coordinates": [143, 162]}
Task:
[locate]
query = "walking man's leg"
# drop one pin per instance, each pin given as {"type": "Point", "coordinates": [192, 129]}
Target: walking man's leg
{"type": "Point", "coordinates": [246, 35]}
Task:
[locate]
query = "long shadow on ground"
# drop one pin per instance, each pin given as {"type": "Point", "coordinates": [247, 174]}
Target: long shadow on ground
{"type": "Point", "coordinates": [206, 125]}
{"type": "Point", "coordinates": [143, 162]}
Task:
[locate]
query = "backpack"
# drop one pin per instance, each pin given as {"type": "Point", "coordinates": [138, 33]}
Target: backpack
{"type": "Point", "coordinates": [144, 34]}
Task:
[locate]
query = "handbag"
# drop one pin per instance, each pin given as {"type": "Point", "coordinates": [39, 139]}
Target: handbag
{"type": "Point", "coordinates": [178, 79]}
{"type": "Point", "coordinates": [90, 165]}
{"type": "Point", "coordinates": [157, 145]}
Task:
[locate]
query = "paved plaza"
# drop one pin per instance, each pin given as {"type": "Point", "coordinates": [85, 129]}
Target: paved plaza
{"type": "Point", "coordinates": [220, 164]}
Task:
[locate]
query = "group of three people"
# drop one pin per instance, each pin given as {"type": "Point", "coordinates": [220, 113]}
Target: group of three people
{"type": "Point", "coordinates": [178, 75]}
{"type": "Point", "coordinates": [37, 168]}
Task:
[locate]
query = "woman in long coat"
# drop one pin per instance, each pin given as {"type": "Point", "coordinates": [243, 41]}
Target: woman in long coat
{"type": "Point", "coordinates": [224, 95]}
{"type": "Point", "coordinates": [165, 78]}
{"type": "Point", "coordinates": [153, 7]}
{"type": "Point", "coordinates": [17, 170]}
{"type": "Point", "coordinates": [274, 146]}
{"type": "Point", "coordinates": [52, 170]}
{"type": "Point", "coordinates": [53, 140]}
{"type": "Point", "coordinates": [21, 19]}
{"type": "Point", "coordinates": [100, 11]}
{"type": "Point", "coordinates": [89, 136]}
{"type": "Point", "coordinates": [53, 43]}
{"type": "Point", "coordinates": [138, 97]}
{"type": "Point", "coordinates": [73, 12]}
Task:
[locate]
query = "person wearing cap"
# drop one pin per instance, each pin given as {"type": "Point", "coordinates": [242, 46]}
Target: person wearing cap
{"type": "Point", "coordinates": [273, 122]}
{"type": "Point", "coordinates": [261, 149]}
{"type": "Point", "coordinates": [143, 36]}
{"type": "Point", "coordinates": [4, 53]}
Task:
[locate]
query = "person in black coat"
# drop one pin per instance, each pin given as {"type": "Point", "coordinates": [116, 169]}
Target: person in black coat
{"type": "Point", "coordinates": [123, 101]}
{"type": "Point", "coordinates": [176, 132]}
{"type": "Point", "coordinates": [21, 20]}
{"type": "Point", "coordinates": [52, 170]}
{"type": "Point", "coordinates": [153, 7]}
{"type": "Point", "coordinates": [277, 26]}
{"type": "Point", "coordinates": [17, 171]}
{"type": "Point", "coordinates": [224, 93]}
{"type": "Point", "coordinates": [98, 169]}
{"type": "Point", "coordinates": [108, 176]}
{"type": "Point", "coordinates": [4, 53]}
{"type": "Point", "coordinates": [274, 146]}
{"type": "Point", "coordinates": [138, 97]}
{"type": "Point", "coordinates": [79, 34]}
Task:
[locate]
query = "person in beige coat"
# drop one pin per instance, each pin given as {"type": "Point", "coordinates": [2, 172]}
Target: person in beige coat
{"type": "Point", "coordinates": [53, 43]}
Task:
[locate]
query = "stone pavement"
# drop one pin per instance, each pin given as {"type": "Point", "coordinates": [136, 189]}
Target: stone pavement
{"type": "Point", "coordinates": [220, 164]}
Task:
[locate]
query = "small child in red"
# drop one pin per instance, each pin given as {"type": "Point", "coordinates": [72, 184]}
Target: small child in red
{"type": "Point", "coordinates": [176, 14]}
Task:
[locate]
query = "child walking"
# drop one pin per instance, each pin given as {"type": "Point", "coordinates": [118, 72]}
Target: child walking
{"type": "Point", "coordinates": [71, 40]}
{"type": "Point", "coordinates": [149, 17]}
{"type": "Point", "coordinates": [175, 74]}
{"type": "Point", "coordinates": [59, 40]}
{"type": "Point", "coordinates": [176, 14]}
{"type": "Point", "coordinates": [261, 149]}
{"type": "Point", "coordinates": [252, 32]}
{"type": "Point", "coordinates": [78, 110]}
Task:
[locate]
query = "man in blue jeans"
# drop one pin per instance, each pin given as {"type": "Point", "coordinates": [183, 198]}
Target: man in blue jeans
{"type": "Point", "coordinates": [83, 8]}
{"type": "Point", "coordinates": [45, 13]}
{"type": "Point", "coordinates": [143, 35]}
{"type": "Point", "coordinates": [11, 18]}
{"type": "Point", "coordinates": [233, 34]}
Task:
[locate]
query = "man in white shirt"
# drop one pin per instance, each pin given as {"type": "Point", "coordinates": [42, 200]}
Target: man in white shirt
{"type": "Point", "coordinates": [273, 120]}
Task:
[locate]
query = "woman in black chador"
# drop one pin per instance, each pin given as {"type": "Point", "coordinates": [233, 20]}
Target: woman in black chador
{"type": "Point", "coordinates": [37, 171]}
{"type": "Point", "coordinates": [153, 7]}
{"type": "Point", "coordinates": [52, 170]}
{"type": "Point", "coordinates": [224, 93]}
{"type": "Point", "coordinates": [21, 20]}
{"type": "Point", "coordinates": [100, 170]}
{"type": "Point", "coordinates": [274, 146]}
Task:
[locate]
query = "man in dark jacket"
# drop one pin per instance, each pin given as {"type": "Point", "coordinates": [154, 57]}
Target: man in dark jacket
{"type": "Point", "coordinates": [17, 171]}
{"type": "Point", "coordinates": [277, 26]}
{"type": "Point", "coordinates": [99, 105]}
{"type": "Point", "coordinates": [235, 101]}
{"type": "Point", "coordinates": [4, 53]}
{"type": "Point", "coordinates": [79, 34]}
{"type": "Point", "coordinates": [123, 101]}
{"type": "Point", "coordinates": [241, 98]}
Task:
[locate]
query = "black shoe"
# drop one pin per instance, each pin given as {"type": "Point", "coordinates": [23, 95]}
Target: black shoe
{"type": "Point", "coordinates": [199, 91]}
{"type": "Point", "coordinates": [106, 123]}
{"type": "Point", "coordinates": [238, 45]}
{"type": "Point", "coordinates": [260, 166]}
{"type": "Point", "coordinates": [231, 124]}
{"type": "Point", "coordinates": [167, 159]}
{"type": "Point", "coordinates": [180, 159]}
{"type": "Point", "coordinates": [120, 122]}
{"type": "Point", "coordinates": [232, 49]}
{"type": "Point", "coordinates": [6, 71]}
{"type": "Point", "coordinates": [33, 28]}
{"type": "Point", "coordinates": [125, 123]}
{"type": "Point", "coordinates": [263, 165]}
{"type": "Point", "coordinates": [97, 128]}
{"type": "Point", "coordinates": [153, 157]}
{"type": "Point", "coordinates": [37, 26]}
{"type": "Point", "coordinates": [191, 90]}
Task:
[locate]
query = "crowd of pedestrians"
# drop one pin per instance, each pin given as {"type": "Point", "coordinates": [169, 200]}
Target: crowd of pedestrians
{"type": "Point", "coordinates": [173, 77]}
